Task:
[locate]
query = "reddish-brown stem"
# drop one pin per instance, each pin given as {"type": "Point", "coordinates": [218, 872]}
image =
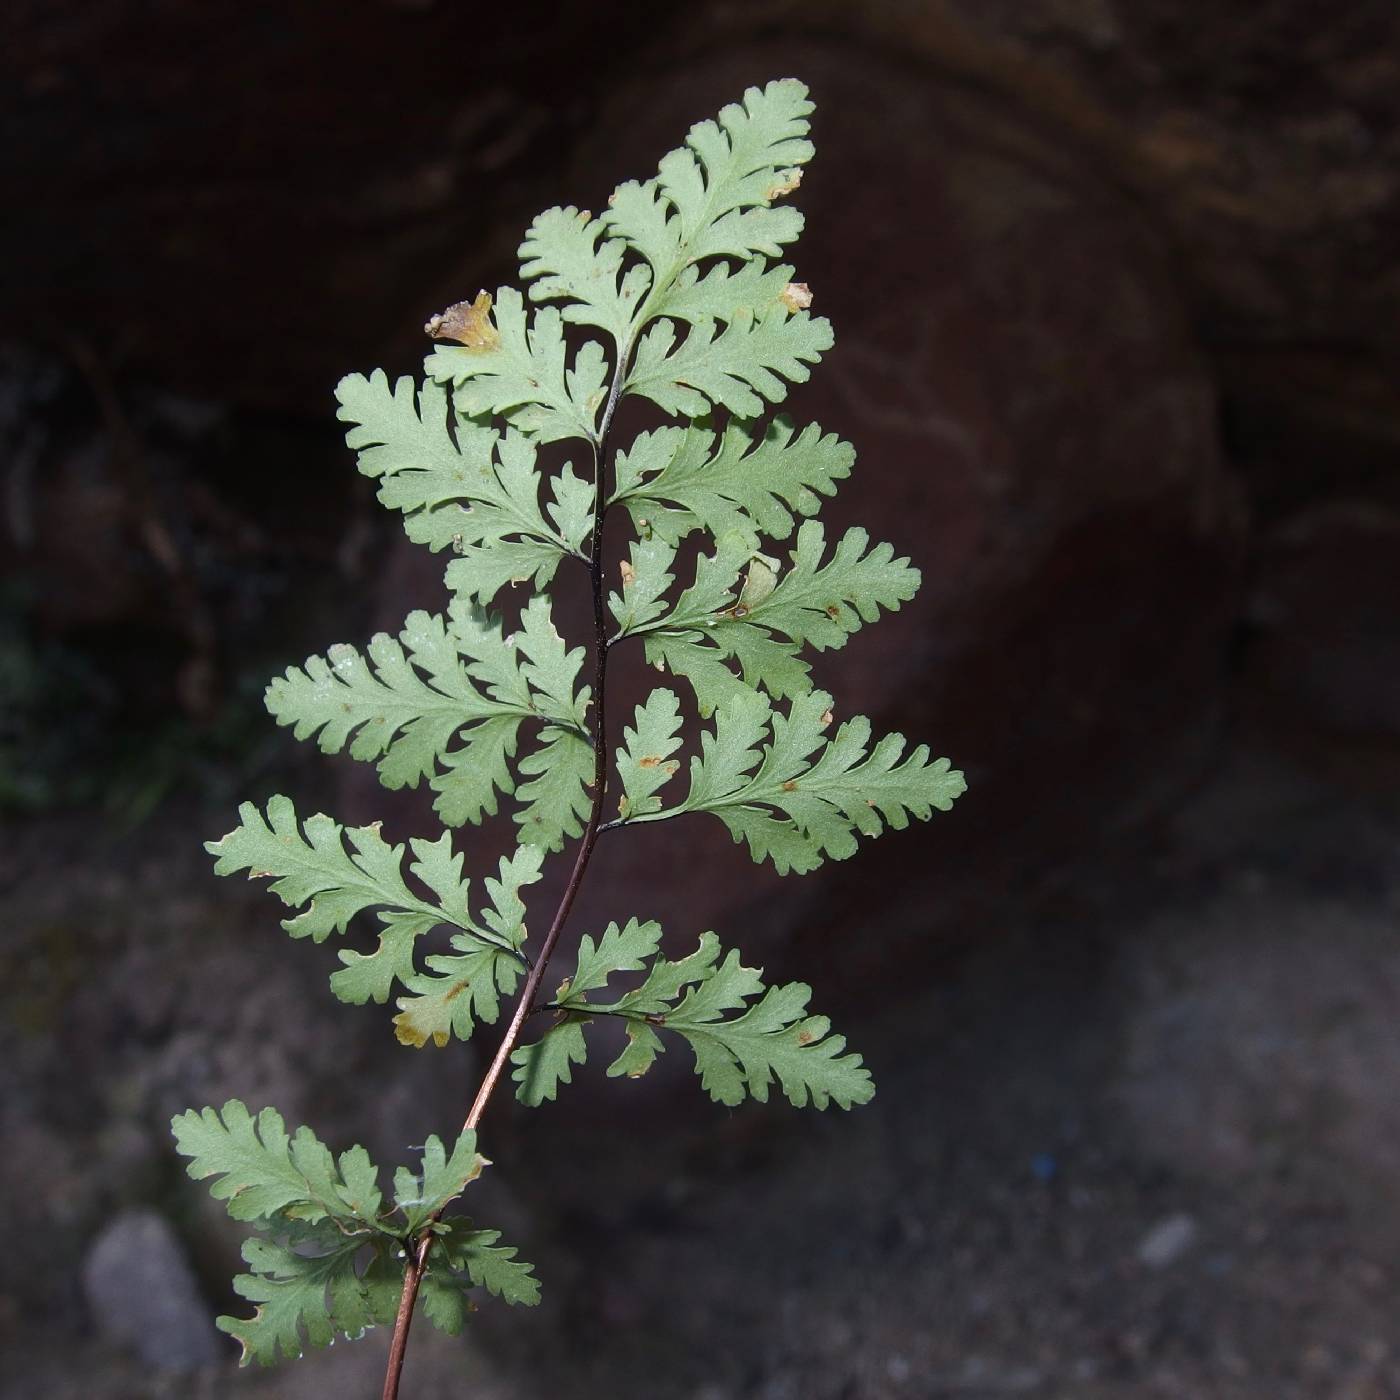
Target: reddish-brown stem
{"type": "Point", "coordinates": [417, 1263]}
{"type": "Point", "coordinates": [413, 1273]}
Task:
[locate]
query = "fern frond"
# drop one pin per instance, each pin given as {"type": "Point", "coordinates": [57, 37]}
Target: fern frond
{"type": "Point", "coordinates": [798, 798]}
{"type": "Point", "coordinates": [519, 370]}
{"type": "Point", "coordinates": [749, 362]}
{"type": "Point", "coordinates": [477, 492]}
{"type": "Point", "coordinates": [567, 256]}
{"type": "Point", "coordinates": [687, 303]}
{"type": "Point", "coordinates": [773, 1038]}
{"type": "Point", "coordinates": [714, 196]}
{"type": "Point", "coordinates": [741, 608]}
{"type": "Point", "coordinates": [315, 869]}
{"type": "Point", "coordinates": [673, 480]}
{"type": "Point", "coordinates": [445, 702]}
{"type": "Point", "coordinates": [328, 1259]}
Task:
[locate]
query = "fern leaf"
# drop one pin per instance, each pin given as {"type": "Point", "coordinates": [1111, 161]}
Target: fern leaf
{"type": "Point", "coordinates": [704, 660]}
{"type": "Point", "coordinates": [488, 1264]}
{"type": "Point", "coordinates": [741, 610]}
{"type": "Point", "coordinates": [328, 1260]}
{"type": "Point", "coordinates": [550, 667]}
{"type": "Point", "coordinates": [567, 256]}
{"type": "Point", "coordinates": [821, 604]}
{"type": "Point", "coordinates": [673, 480]}
{"type": "Point", "coordinates": [457, 990]}
{"type": "Point", "coordinates": [772, 1038]}
{"type": "Point", "coordinates": [751, 360]}
{"type": "Point", "coordinates": [543, 1065]}
{"type": "Point", "coordinates": [714, 196]}
{"type": "Point", "coordinates": [440, 1179]}
{"type": "Point", "coordinates": [554, 802]}
{"type": "Point", "coordinates": [261, 1171]}
{"type": "Point", "coordinates": [621, 949]}
{"type": "Point", "coordinates": [644, 762]}
{"type": "Point", "coordinates": [520, 371]}
{"type": "Point", "coordinates": [477, 492]}
{"type": "Point", "coordinates": [460, 988]}
{"type": "Point", "coordinates": [725, 291]}
{"type": "Point", "coordinates": [315, 869]}
{"type": "Point", "coordinates": [466, 985]}
{"type": "Point", "coordinates": [645, 578]}
{"type": "Point", "coordinates": [502, 535]}
{"type": "Point", "coordinates": [307, 1295]}
{"type": "Point", "coordinates": [797, 810]}
{"type": "Point", "coordinates": [444, 702]}
{"type": "Point", "coordinates": [729, 752]}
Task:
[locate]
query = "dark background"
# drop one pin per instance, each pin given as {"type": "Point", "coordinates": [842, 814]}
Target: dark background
{"type": "Point", "coordinates": [1116, 296]}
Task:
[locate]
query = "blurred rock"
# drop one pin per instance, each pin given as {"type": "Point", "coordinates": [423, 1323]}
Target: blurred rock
{"type": "Point", "coordinates": [1167, 1241]}
{"type": "Point", "coordinates": [143, 1294]}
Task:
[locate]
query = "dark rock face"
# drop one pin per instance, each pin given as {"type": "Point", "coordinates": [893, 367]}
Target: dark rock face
{"type": "Point", "coordinates": [237, 198]}
{"type": "Point", "coordinates": [1325, 614]}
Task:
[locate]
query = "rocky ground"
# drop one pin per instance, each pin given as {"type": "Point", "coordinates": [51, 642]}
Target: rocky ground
{"type": "Point", "coordinates": [1141, 1144]}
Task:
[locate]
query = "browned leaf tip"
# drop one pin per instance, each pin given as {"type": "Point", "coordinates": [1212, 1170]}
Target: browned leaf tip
{"type": "Point", "coordinates": [787, 181]}
{"type": "Point", "coordinates": [796, 296]}
{"type": "Point", "coordinates": [468, 323]}
{"type": "Point", "coordinates": [407, 1031]}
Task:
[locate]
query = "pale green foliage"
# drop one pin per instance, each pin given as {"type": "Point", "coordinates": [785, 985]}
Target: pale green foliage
{"type": "Point", "coordinates": [525, 376]}
{"type": "Point", "coordinates": [673, 295]}
{"type": "Point", "coordinates": [770, 1039]}
{"type": "Point", "coordinates": [673, 481]}
{"type": "Point", "coordinates": [315, 869]}
{"type": "Point", "coordinates": [794, 795]}
{"type": "Point", "coordinates": [476, 490]}
{"type": "Point", "coordinates": [326, 1260]}
{"type": "Point", "coordinates": [446, 702]}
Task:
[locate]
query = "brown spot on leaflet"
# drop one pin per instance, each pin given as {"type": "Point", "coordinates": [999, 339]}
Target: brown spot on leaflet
{"type": "Point", "coordinates": [796, 296]}
{"type": "Point", "coordinates": [788, 180]}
